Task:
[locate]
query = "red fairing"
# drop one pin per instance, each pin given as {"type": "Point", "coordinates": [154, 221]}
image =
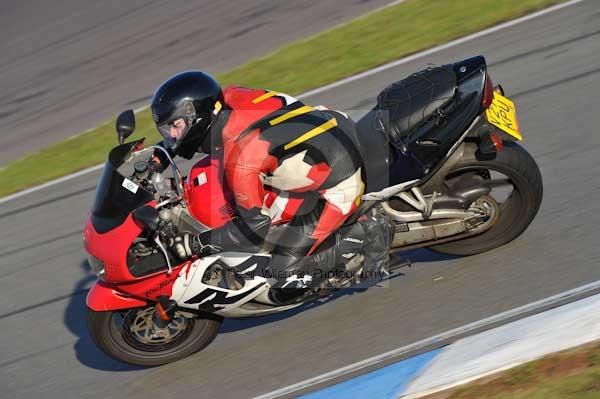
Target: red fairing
{"type": "Point", "coordinates": [111, 247]}
{"type": "Point", "coordinates": [103, 297]}
{"type": "Point", "coordinates": [119, 284]}
{"type": "Point", "coordinates": [206, 198]}
{"type": "Point", "coordinates": [153, 286]}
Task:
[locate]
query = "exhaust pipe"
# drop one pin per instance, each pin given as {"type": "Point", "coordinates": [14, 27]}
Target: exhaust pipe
{"type": "Point", "coordinates": [430, 230]}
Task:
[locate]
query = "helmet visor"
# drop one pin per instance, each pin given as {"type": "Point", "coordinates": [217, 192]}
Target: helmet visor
{"type": "Point", "coordinates": [174, 124]}
{"type": "Point", "coordinates": [174, 131]}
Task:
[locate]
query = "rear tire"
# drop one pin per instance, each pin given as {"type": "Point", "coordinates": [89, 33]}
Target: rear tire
{"type": "Point", "coordinates": [117, 340]}
{"type": "Point", "coordinates": [516, 213]}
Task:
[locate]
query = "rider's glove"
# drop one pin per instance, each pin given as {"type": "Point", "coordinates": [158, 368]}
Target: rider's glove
{"type": "Point", "coordinates": [182, 246]}
{"type": "Point", "coordinates": [187, 245]}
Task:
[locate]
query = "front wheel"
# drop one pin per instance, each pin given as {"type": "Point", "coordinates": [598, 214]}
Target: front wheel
{"type": "Point", "coordinates": [131, 336]}
{"type": "Point", "coordinates": [516, 184]}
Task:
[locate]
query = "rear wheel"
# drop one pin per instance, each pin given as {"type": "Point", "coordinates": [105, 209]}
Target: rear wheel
{"type": "Point", "coordinates": [516, 184]}
{"type": "Point", "coordinates": [131, 336]}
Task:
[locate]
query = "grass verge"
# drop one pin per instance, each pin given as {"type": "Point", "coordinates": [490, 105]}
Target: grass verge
{"type": "Point", "coordinates": [361, 44]}
{"type": "Point", "coordinates": [573, 374]}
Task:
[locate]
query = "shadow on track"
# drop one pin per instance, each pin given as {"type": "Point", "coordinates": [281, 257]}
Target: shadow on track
{"type": "Point", "coordinates": [75, 320]}
{"type": "Point", "coordinates": [407, 259]}
{"type": "Point", "coordinates": [88, 354]}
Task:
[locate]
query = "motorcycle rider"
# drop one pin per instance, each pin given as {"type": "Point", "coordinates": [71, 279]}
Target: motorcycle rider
{"type": "Point", "coordinates": [287, 164]}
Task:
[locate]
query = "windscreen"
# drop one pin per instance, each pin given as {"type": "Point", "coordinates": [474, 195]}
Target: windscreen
{"type": "Point", "coordinates": [116, 195]}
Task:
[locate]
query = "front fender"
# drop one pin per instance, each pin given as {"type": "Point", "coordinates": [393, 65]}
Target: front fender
{"type": "Point", "coordinates": [103, 297]}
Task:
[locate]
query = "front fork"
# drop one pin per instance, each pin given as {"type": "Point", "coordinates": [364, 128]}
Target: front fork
{"type": "Point", "coordinates": [164, 310]}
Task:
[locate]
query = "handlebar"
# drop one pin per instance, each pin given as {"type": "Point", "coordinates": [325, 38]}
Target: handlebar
{"type": "Point", "coordinates": [176, 174]}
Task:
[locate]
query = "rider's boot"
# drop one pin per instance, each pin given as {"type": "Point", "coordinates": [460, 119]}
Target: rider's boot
{"type": "Point", "coordinates": [326, 268]}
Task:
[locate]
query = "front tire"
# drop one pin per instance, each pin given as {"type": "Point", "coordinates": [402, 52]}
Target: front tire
{"type": "Point", "coordinates": [123, 336]}
{"type": "Point", "coordinates": [516, 212]}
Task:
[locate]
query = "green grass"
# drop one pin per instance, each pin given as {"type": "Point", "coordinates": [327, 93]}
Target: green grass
{"type": "Point", "coordinates": [574, 374]}
{"type": "Point", "coordinates": [361, 44]}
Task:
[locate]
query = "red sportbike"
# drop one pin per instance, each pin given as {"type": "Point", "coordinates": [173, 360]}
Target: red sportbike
{"type": "Point", "coordinates": [479, 189]}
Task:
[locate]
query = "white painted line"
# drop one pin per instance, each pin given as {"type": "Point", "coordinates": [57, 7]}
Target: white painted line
{"type": "Point", "coordinates": [430, 51]}
{"type": "Point", "coordinates": [51, 183]}
{"type": "Point", "coordinates": [343, 81]}
{"type": "Point", "coordinates": [554, 300]}
{"type": "Point", "coordinates": [508, 346]}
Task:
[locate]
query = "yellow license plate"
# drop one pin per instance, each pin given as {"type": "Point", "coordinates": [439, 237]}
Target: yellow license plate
{"type": "Point", "coordinates": [503, 115]}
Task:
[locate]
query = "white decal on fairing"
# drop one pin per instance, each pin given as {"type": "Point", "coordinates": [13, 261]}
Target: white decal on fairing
{"type": "Point", "coordinates": [236, 258]}
{"type": "Point", "coordinates": [201, 179]}
{"type": "Point", "coordinates": [291, 174]}
{"type": "Point", "coordinates": [182, 282]}
{"type": "Point", "coordinates": [188, 288]}
{"type": "Point", "coordinates": [209, 298]}
{"type": "Point", "coordinates": [345, 193]}
{"type": "Point", "coordinates": [130, 186]}
{"type": "Point", "coordinates": [250, 269]}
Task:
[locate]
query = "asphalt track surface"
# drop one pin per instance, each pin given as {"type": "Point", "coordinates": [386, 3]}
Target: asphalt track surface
{"type": "Point", "coordinates": [549, 65]}
{"type": "Point", "coordinates": [77, 63]}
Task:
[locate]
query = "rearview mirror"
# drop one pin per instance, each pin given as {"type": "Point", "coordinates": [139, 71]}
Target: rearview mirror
{"type": "Point", "coordinates": [147, 217]}
{"type": "Point", "coordinates": [125, 125]}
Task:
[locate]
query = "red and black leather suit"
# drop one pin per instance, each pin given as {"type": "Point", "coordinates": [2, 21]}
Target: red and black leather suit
{"type": "Point", "coordinates": [286, 163]}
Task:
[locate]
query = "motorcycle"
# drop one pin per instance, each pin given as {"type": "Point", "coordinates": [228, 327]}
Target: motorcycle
{"type": "Point", "coordinates": [478, 189]}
